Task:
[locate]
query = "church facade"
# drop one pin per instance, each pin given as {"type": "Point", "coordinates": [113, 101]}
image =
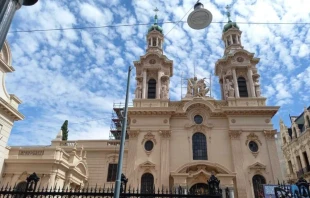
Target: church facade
{"type": "Point", "coordinates": [172, 143]}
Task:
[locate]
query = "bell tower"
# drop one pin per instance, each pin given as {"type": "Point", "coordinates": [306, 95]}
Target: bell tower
{"type": "Point", "coordinates": [237, 70]}
{"type": "Point", "coordinates": [153, 70]}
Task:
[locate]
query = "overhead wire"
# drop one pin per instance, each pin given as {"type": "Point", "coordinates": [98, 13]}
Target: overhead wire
{"type": "Point", "coordinates": [141, 24]}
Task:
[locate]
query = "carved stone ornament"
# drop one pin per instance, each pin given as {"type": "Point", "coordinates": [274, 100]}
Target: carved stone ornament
{"type": "Point", "coordinates": [303, 148]}
{"type": "Point", "coordinates": [198, 127]}
{"type": "Point", "coordinates": [133, 133]}
{"type": "Point", "coordinates": [233, 121]}
{"type": "Point", "coordinates": [267, 120]}
{"type": "Point", "coordinates": [257, 166]}
{"type": "Point", "coordinates": [270, 134]}
{"type": "Point", "coordinates": [149, 136]}
{"type": "Point", "coordinates": [252, 137]}
{"type": "Point", "coordinates": [165, 133]}
{"type": "Point", "coordinates": [165, 121]}
{"type": "Point", "coordinates": [234, 134]}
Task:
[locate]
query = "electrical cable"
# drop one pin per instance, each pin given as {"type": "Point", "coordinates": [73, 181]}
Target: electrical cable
{"type": "Point", "coordinates": [139, 24]}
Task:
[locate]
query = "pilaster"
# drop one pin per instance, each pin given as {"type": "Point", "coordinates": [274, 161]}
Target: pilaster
{"type": "Point", "coordinates": [251, 84]}
{"type": "Point", "coordinates": [238, 162]}
{"type": "Point", "coordinates": [165, 157]}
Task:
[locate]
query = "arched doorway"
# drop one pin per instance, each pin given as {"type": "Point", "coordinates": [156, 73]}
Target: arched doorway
{"type": "Point", "coordinates": [199, 189]}
{"type": "Point", "coordinates": [147, 183]}
{"type": "Point", "coordinates": [258, 182]}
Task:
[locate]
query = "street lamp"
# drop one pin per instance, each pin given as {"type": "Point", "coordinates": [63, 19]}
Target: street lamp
{"type": "Point", "coordinates": [7, 11]}
{"type": "Point", "coordinates": [200, 17]}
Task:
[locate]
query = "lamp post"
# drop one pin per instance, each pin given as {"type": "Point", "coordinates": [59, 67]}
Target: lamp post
{"type": "Point", "coordinates": [200, 17]}
{"type": "Point", "coordinates": [7, 11]}
{"type": "Point", "coordinates": [121, 148]}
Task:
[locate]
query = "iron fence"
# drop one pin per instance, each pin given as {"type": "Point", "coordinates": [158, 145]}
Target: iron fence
{"type": "Point", "coordinates": [31, 190]}
{"type": "Point", "coordinates": [299, 190]}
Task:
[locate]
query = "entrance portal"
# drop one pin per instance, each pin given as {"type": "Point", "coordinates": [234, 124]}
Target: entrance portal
{"type": "Point", "coordinates": [199, 189]}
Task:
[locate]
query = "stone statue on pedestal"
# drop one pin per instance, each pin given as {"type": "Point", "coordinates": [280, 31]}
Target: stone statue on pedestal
{"type": "Point", "coordinates": [164, 91]}
{"type": "Point", "coordinates": [196, 88]}
{"type": "Point", "coordinates": [229, 90]}
{"type": "Point", "coordinates": [138, 91]}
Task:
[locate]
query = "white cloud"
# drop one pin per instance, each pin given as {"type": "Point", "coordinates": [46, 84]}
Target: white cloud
{"type": "Point", "coordinates": [78, 74]}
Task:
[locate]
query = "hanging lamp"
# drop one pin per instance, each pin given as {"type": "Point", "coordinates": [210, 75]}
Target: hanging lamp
{"type": "Point", "coordinates": [200, 18]}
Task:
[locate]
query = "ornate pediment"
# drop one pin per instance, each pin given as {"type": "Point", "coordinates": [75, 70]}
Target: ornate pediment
{"type": "Point", "coordinates": [257, 166]}
{"type": "Point", "coordinates": [147, 164]}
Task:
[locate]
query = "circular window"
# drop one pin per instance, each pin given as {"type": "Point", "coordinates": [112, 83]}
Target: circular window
{"type": "Point", "coordinates": [148, 145]}
{"type": "Point", "coordinates": [253, 146]}
{"type": "Point", "coordinates": [198, 119]}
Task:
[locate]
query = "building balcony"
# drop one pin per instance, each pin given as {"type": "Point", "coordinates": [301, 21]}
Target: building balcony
{"type": "Point", "coordinates": [302, 172]}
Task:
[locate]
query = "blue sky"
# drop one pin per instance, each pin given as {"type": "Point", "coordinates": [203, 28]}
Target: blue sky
{"type": "Point", "coordinates": [78, 74]}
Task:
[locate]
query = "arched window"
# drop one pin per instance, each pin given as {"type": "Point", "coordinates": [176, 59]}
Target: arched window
{"type": "Point", "coordinates": [147, 183]}
{"type": "Point", "coordinates": [199, 146]}
{"type": "Point", "coordinates": [243, 91]}
{"type": "Point", "coordinates": [151, 93]}
{"type": "Point", "coordinates": [258, 182]}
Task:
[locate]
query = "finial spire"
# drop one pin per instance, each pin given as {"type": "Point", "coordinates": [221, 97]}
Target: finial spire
{"type": "Point", "coordinates": [156, 10]}
{"type": "Point", "coordinates": [228, 12]}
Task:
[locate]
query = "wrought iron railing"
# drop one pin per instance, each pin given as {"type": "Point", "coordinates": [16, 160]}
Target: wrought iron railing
{"type": "Point", "coordinates": [30, 190]}
{"type": "Point", "coordinates": [299, 190]}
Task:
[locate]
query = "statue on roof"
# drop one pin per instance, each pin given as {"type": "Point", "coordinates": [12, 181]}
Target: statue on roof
{"type": "Point", "coordinates": [196, 88]}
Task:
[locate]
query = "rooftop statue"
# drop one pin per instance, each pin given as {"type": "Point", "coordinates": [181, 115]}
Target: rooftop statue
{"type": "Point", "coordinates": [196, 88]}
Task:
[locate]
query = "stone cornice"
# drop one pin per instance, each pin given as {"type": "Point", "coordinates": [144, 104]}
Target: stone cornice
{"type": "Point", "coordinates": [11, 110]}
{"type": "Point", "coordinates": [250, 110]}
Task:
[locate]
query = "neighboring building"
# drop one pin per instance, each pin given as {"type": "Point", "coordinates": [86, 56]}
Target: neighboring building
{"type": "Point", "coordinates": [172, 143]}
{"type": "Point", "coordinates": [296, 146]}
{"type": "Point", "coordinates": [8, 104]}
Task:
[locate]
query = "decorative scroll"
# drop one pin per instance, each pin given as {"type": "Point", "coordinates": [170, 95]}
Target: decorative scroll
{"type": "Point", "coordinates": [252, 137]}
{"type": "Point", "coordinates": [149, 136]}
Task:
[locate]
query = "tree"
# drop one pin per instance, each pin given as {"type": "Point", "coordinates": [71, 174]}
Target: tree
{"type": "Point", "coordinates": [65, 130]}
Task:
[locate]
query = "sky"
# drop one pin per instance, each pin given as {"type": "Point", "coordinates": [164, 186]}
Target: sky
{"type": "Point", "coordinates": [77, 75]}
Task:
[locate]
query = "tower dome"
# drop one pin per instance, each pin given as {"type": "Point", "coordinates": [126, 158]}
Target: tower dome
{"type": "Point", "coordinates": [155, 26]}
{"type": "Point", "coordinates": [230, 24]}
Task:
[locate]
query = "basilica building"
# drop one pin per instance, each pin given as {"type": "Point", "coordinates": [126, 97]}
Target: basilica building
{"type": "Point", "coordinates": [171, 143]}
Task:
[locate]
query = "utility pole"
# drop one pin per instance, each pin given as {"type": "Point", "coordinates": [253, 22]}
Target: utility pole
{"type": "Point", "coordinates": [7, 11]}
{"type": "Point", "coordinates": [122, 143]}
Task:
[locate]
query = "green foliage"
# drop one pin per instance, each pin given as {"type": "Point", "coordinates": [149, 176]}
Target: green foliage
{"type": "Point", "coordinates": [65, 130]}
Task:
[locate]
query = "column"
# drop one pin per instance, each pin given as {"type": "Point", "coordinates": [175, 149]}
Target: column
{"type": "Point", "coordinates": [144, 85]}
{"type": "Point", "coordinates": [222, 91]}
{"type": "Point", "coordinates": [231, 40]}
{"type": "Point", "coordinates": [251, 84]}
{"type": "Point", "coordinates": [164, 158]}
{"type": "Point", "coordinates": [157, 44]}
{"type": "Point", "coordinates": [151, 41]}
{"type": "Point", "coordinates": [238, 163]}
{"type": "Point", "coordinates": [235, 83]}
{"type": "Point", "coordinates": [158, 85]}
{"type": "Point", "coordinates": [237, 38]}
{"type": "Point", "coordinates": [226, 44]}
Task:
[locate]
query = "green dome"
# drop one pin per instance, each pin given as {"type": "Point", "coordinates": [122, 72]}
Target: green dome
{"type": "Point", "coordinates": [155, 26]}
{"type": "Point", "coordinates": [230, 25]}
